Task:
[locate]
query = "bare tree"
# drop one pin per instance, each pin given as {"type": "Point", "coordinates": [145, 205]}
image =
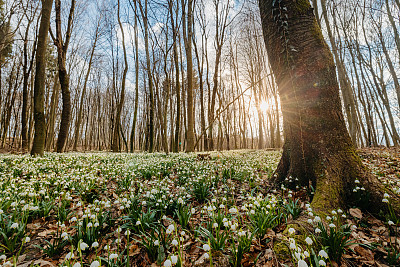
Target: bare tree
{"type": "Point", "coordinates": [62, 48]}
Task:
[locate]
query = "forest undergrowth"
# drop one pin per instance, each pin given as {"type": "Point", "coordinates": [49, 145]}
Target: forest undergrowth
{"type": "Point", "coordinates": [216, 209]}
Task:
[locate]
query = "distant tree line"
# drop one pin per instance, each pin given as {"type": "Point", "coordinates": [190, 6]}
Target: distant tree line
{"type": "Point", "coordinates": [186, 75]}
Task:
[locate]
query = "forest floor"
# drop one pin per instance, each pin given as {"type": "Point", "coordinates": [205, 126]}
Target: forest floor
{"type": "Point", "coordinates": [104, 209]}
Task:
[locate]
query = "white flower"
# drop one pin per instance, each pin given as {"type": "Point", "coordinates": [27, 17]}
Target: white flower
{"type": "Point", "coordinates": [385, 200]}
{"type": "Point", "coordinates": [174, 259]}
{"type": "Point", "coordinates": [156, 243]}
{"type": "Point", "coordinates": [310, 221]}
{"type": "Point", "coordinates": [292, 246]}
{"type": "Point", "coordinates": [206, 256]}
{"type": "Point", "coordinates": [3, 257]}
{"type": "Point", "coordinates": [291, 231]}
{"type": "Point", "coordinates": [73, 219]}
{"type": "Point", "coordinates": [138, 222]}
{"type": "Point", "coordinates": [317, 219]}
{"type": "Point", "coordinates": [174, 242]}
{"type": "Point", "coordinates": [27, 239]}
{"type": "Point", "coordinates": [83, 246]}
{"type": "Point", "coordinates": [14, 225]}
{"type": "Point", "coordinates": [7, 264]}
{"type": "Point", "coordinates": [167, 263]}
{"type": "Point", "coordinates": [332, 225]}
{"type": "Point", "coordinates": [170, 228]}
{"type": "Point", "coordinates": [323, 254]}
{"type": "Point", "coordinates": [386, 195]}
{"type": "Point", "coordinates": [69, 256]}
{"type": "Point", "coordinates": [233, 210]}
{"type": "Point", "coordinates": [215, 225]}
{"type": "Point", "coordinates": [322, 263]}
{"type": "Point", "coordinates": [206, 247]}
{"type": "Point", "coordinates": [297, 255]}
{"type": "Point", "coordinates": [309, 241]}
{"type": "Point", "coordinates": [390, 222]}
{"type": "Point", "coordinates": [95, 264]}
{"type": "Point", "coordinates": [306, 254]}
{"type": "Point", "coordinates": [77, 264]}
{"type": "Point", "coordinates": [113, 256]}
{"type": "Point", "coordinates": [302, 263]}
{"type": "Point", "coordinates": [317, 230]}
{"type": "Point", "coordinates": [193, 210]}
{"type": "Point", "coordinates": [64, 236]}
{"type": "Point", "coordinates": [95, 244]}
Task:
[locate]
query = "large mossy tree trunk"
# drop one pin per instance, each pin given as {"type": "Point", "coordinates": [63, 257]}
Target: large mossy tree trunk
{"type": "Point", "coordinates": [318, 150]}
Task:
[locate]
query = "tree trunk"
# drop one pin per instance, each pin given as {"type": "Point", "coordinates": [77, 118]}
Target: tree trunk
{"type": "Point", "coordinates": [62, 47]}
{"type": "Point", "coordinates": [345, 86]}
{"type": "Point", "coordinates": [149, 76]}
{"type": "Point", "coordinates": [51, 115]}
{"type": "Point", "coordinates": [133, 132]}
{"type": "Point", "coordinates": [392, 69]}
{"type": "Point", "coordinates": [317, 149]}
{"type": "Point", "coordinates": [188, 34]}
{"type": "Point", "coordinates": [79, 115]}
{"type": "Point", "coordinates": [25, 94]}
{"type": "Point", "coordinates": [175, 147]}
{"type": "Point", "coordinates": [40, 124]}
{"type": "Point", "coordinates": [115, 147]}
{"type": "Point", "coordinates": [394, 27]}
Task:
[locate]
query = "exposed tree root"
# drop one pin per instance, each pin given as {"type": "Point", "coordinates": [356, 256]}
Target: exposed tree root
{"type": "Point", "coordinates": [334, 177]}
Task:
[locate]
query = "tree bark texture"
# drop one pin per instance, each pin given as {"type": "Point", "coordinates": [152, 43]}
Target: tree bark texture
{"type": "Point", "coordinates": [318, 150]}
{"type": "Point", "coordinates": [114, 146]}
{"type": "Point", "coordinates": [62, 47]}
{"type": "Point", "coordinates": [40, 124]}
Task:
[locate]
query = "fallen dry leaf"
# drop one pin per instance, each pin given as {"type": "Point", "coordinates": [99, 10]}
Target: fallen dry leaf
{"type": "Point", "coordinates": [43, 263]}
{"type": "Point", "coordinates": [365, 253]}
{"type": "Point", "coordinates": [356, 213]}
